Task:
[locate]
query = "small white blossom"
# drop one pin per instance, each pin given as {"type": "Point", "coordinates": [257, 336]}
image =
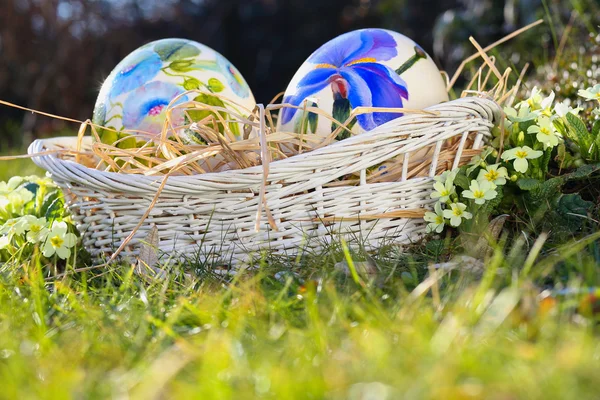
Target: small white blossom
{"type": "Point", "coordinates": [435, 219]}
{"type": "Point", "coordinates": [480, 191]}
{"type": "Point", "coordinates": [537, 102]}
{"type": "Point", "coordinates": [443, 191]}
{"type": "Point", "coordinates": [494, 174]}
{"type": "Point", "coordinates": [7, 187]}
{"type": "Point", "coordinates": [13, 226]}
{"type": "Point", "coordinates": [562, 109]}
{"type": "Point", "coordinates": [36, 229]}
{"type": "Point", "coordinates": [591, 93]}
{"type": "Point", "coordinates": [19, 197]}
{"type": "Point", "coordinates": [545, 132]}
{"type": "Point", "coordinates": [4, 241]}
{"type": "Point", "coordinates": [59, 241]}
{"type": "Point", "coordinates": [446, 176]}
{"type": "Point", "coordinates": [457, 213]}
{"type": "Point", "coordinates": [523, 115]}
{"type": "Point", "coordinates": [521, 155]}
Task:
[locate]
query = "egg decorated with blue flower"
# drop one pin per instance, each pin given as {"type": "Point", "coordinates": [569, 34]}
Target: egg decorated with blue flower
{"type": "Point", "coordinates": [134, 99]}
{"type": "Point", "coordinates": [362, 68]}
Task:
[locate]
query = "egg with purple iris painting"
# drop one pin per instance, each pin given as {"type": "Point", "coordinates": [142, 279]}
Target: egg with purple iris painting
{"type": "Point", "coordinates": [135, 97]}
{"type": "Point", "coordinates": [363, 68]}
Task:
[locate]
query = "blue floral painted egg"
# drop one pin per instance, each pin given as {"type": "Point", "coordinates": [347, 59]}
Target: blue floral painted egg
{"type": "Point", "coordinates": [363, 68]}
{"type": "Point", "coordinates": [135, 96]}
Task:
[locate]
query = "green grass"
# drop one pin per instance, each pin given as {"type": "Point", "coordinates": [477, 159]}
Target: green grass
{"type": "Point", "coordinates": [309, 332]}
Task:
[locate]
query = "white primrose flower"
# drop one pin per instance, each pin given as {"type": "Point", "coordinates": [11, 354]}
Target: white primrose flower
{"type": "Point", "coordinates": [494, 174]}
{"type": "Point", "coordinates": [435, 219]}
{"type": "Point", "coordinates": [7, 187]}
{"type": "Point", "coordinates": [446, 176]}
{"type": "Point", "coordinates": [537, 102]}
{"type": "Point", "coordinates": [4, 241]}
{"type": "Point", "coordinates": [546, 133]}
{"type": "Point", "coordinates": [457, 213]}
{"type": "Point", "coordinates": [521, 155]}
{"type": "Point", "coordinates": [523, 115]}
{"type": "Point", "coordinates": [562, 109]}
{"type": "Point", "coordinates": [591, 93]}
{"type": "Point", "coordinates": [59, 241]}
{"type": "Point", "coordinates": [480, 191]}
{"type": "Point", "coordinates": [443, 191]}
{"type": "Point", "coordinates": [19, 197]}
{"type": "Point", "coordinates": [14, 226]}
{"type": "Point", "coordinates": [36, 229]}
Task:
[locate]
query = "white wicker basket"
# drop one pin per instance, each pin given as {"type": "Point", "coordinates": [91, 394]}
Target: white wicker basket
{"type": "Point", "coordinates": [214, 214]}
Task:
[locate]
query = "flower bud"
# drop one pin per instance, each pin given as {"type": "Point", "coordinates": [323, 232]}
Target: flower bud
{"type": "Point", "coordinates": [495, 153]}
{"type": "Point", "coordinates": [521, 137]}
{"type": "Point", "coordinates": [514, 177]}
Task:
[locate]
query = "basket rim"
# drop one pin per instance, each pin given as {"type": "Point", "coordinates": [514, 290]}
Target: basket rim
{"type": "Point", "coordinates": [485, 107]}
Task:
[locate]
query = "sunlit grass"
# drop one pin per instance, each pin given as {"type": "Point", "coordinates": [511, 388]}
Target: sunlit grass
{"type": "Point", "coordinates": [308, 332]}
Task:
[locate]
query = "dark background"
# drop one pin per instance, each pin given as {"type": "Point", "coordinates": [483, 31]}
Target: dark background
{"type": "Point", "coordinates": [54, 54]}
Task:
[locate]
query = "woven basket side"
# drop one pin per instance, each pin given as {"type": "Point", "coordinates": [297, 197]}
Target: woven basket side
{"type": "Point", "coordinates": [312, 198]}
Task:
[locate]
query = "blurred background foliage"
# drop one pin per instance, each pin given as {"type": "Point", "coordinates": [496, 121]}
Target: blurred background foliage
{"type": "Point", "coordinates": [54, 54]}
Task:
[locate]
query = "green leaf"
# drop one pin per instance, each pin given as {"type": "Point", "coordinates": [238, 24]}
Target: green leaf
{"type": "Point", "coordinates": [582, 172]}
{"type": "Point", "coordinates": [596, 136]}
{"type": "Point", "coordinates": [584, 139]}
{"type": "Point", "coordinates": [127, 142]}
{"type": "Point", "coordinates": [175, 50]}
{"type": "Point", "coordinates": [462, 181]}
{"type": "Point", "coordinates": [108, 137]}
{"type": "Point", "coordinates": [215, 85]}
{"type": "Point", "coordinates": [181, 65]}
{"type": "Point", "coordinates": [198, 115]}
{"type": "Point", "coordinates": [307, 120]}
{"type": "Point", "coordinates": [53, 206]}
{"type": "Point", "coordinates": [341, 112]}
{"type": "Point", "coordinates": [572, 205]}
{"type": "Point", "coordinates": [313, 119]}
{"type": "Point", "coordinates": [540, 197]}
{"type": "Point", "coordinates": [191, 83]}
{"type": "Point", "coordinates": [528, 184]}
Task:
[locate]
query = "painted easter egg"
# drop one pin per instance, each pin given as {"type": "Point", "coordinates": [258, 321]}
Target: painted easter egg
{"type": "Point", "coordinates": [362, 68]}
{"type": "Point", "coordinates": [135, 96]}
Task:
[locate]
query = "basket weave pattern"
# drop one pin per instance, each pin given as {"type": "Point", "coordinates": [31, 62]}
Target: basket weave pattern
{"type": "Point", "coordinates": [217, 212]}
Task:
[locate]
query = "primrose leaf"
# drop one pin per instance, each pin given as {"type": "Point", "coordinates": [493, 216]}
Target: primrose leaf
{"type": "Point", "coordinates": [528, 184]}
{"type": "Point", "coordinates": [584, 139]}
{"type": "Point", "coordinates": [462, 181]}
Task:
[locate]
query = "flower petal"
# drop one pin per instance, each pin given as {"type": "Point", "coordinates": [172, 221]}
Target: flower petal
{"type": "Point", "coordinates": [63, 252]}
{"type": "Point", "coordinates": [351, 46]}
{"type": "Point", "coordinates": [145, 108]}
{"type": "Point", "coordinates": [134, 71]}
{"type": "Point", "coordinates": [520, 165]}
{"type": "Point", "coordinates": [312, 83]}
{"type": "Point", "coordinates": [374, 85]}
{"type": "Point", "coordinates": [376, 43]}
{"type": "Point", "coordinates": [48, 249]}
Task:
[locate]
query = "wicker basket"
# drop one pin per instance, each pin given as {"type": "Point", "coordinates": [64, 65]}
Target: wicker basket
{"type": "Point", "coordinates": [215, 214]}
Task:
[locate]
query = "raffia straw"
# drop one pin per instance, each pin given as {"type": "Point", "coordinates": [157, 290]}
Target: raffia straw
{"type": "Point", "coordinates": [264, 155]}
{"type": "Point", "coordinates": [44, 153]}
{"type": "Point", "coordinates": [488, 48]}
{"type": "Point", "coordinates": [408, 213]}
{"type": "Point", "coordinates": [485, 57]}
